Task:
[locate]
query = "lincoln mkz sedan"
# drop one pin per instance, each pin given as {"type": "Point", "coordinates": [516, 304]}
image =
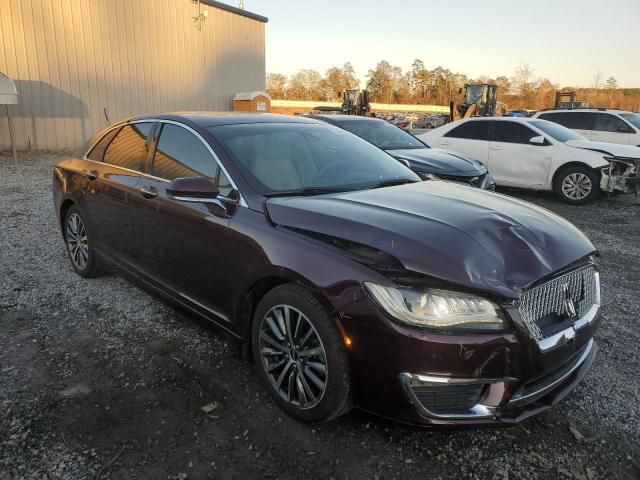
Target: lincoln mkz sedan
{"type": "Point", "coordinates": [345, 278]}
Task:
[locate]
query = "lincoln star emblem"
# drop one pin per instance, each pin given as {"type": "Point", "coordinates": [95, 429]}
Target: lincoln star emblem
{"type": "Point", "coordinates": [568, 305]}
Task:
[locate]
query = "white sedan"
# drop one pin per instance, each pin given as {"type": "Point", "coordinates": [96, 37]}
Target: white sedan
{"type": "Point", "coordinates": [542, 155]}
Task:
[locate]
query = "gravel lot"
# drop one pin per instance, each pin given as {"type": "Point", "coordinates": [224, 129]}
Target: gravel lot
{"type": "Point", "coordinates": [100, 379]}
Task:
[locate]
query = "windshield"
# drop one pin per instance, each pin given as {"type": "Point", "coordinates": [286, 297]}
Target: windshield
{"type": "Point", "coordinates": [475, 94]}
{"type": "Point", "coordinates": [632, 118]}
{"type": "Point", "coordinates": [558, 132]}
{"type": "Point", "coordinates": [382, 134]}
{"type": "Point", "coordinates": [298, 157]}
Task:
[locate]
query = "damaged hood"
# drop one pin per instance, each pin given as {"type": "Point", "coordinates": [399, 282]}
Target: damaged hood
{"type": "Point", "coordinates": [431, 160]}
{"type": "Point", "coordinates": [462, 235]}
{"type": "Point", "coordinates": [613, 149]}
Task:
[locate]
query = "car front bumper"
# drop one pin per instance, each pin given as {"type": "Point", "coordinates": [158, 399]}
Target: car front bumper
{"type": "Point", "coordinates": [454, 381]}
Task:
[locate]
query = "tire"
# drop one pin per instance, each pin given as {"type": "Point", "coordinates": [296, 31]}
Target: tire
{"type": "Point", "coordinates": [577, 185]}
{"type": "Point", "coordinates": [304, 392]}
{"type": "Point", "coordinates": [79, 244]}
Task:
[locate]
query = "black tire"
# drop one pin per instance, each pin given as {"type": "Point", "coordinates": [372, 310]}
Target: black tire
{"type": "Point", "coordinates": [335, 399]}
{"type": "Point", "coordinates": [577, 185]}
{"type": "Point", "coordinates": [85, 262]}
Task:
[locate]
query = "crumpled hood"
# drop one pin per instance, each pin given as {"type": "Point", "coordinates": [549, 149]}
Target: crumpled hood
{"type": "Point", "coordinates": [613, 149]}
{"type": "Point", "coordinates": [462, 235]}
{"type": "Point", "coordinates": [431, 160]}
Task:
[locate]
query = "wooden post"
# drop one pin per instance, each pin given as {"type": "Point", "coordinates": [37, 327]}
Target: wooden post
{"type": "Point", "coordinates": [13, 146]}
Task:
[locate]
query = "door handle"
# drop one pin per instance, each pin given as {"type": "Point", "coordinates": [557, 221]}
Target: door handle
{"type": "Point", "coordinates": [444, 142]}
{"type": "Point", "coordinates": [495, 147]}
{"type": "Point", "coordinates": [148, 192]}
{"type": "Point", "coordinates": [91, 174]}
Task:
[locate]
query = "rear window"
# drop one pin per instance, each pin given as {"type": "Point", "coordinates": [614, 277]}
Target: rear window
{"type": "Point", "coordinates": [473, 130]}
{"type": "Point", "coordinates": [97, 152]}
{"type": "Point", "coordinates": [129, 147]}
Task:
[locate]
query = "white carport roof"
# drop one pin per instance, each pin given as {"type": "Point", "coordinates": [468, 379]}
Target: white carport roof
{"type": "Point", "coordinates": [8, 92]}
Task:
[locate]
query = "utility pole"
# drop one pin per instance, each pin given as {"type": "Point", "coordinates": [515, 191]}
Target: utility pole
{"type": "Point", "coordinates": [241, 6]}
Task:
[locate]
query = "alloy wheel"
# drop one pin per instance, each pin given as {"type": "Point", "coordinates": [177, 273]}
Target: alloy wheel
{"type": "Point", "coordinates": [293, 356]}
{"type": "Point", "coordinates": [77, 242]}
{"type": "Point", "coordinates": [576, 186]}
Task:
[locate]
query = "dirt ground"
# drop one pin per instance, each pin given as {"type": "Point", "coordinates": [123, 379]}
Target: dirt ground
{"type": "Point", "coordinates": [100, 379]}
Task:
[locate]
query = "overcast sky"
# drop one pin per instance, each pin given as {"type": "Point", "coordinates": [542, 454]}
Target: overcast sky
{"type": "Point", "coordinates": [568, 41]}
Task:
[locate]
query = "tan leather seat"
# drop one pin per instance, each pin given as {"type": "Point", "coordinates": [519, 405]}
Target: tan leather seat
{"type": "Point", "coordinates": [274, 167]}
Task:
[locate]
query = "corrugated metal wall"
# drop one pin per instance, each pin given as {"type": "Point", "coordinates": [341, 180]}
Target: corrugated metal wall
{"type": "Point", "coordinates": [73, 59]}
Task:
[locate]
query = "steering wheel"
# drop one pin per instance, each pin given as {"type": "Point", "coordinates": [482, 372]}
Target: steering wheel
{"type": "Point", "coordinates": [328, 168]}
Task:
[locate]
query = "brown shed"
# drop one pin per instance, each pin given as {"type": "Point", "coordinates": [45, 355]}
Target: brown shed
{"type": "Point", "coordinates": [252, 102]}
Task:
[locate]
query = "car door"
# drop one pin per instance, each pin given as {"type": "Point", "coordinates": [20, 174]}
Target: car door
{"type": "Point", "coordinates": [470, 137]}
{"type": "Point", "coordinates": [513, 160]}
{"type": "Point", "coordinates": [121, 154]}
{"type": "Point", "coordinates": [182, 246]}
{"type": "Point", "coordinates": [609, 128]}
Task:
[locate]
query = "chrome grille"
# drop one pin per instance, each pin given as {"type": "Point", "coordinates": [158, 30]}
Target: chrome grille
{"type": "Point", "coordinates": [578, 286]}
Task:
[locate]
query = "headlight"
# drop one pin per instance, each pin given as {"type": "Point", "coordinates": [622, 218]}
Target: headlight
{"type": "Point", "coordinates": [438, 309]}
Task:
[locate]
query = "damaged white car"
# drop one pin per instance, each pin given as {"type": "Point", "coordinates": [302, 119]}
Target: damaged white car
{"type": "Point", "coordinates": [542, 155]}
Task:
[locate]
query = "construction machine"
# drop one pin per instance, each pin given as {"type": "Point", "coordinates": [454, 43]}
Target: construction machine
{"type": "Point", "coordinates": [567, 99]}
{"type": "Point", "coordinates": [354, 102]}
{"type": "Point", "coordinates": [480, 100]}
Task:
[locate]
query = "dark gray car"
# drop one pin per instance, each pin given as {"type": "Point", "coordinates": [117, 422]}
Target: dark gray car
{"type": "Point", "coordinates": [428, 163]}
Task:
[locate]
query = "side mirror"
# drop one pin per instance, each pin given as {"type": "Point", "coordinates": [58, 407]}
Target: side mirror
{"type": "Point", "coordinates": [539, 140]}
{"type": "Point", "coordinates": [193, 189]}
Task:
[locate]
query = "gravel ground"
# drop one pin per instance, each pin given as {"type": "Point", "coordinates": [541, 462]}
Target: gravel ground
{"type": "Point", "coordinates": [100, 379]}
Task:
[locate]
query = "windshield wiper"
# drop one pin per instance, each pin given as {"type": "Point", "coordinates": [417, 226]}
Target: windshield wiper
{"type": "Point", "coordinates": [305, 192]}
{"type": "Point", "coordinates": [390, 183]}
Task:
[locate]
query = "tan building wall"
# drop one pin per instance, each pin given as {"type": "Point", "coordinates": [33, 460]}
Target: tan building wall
{"type": "Point", "coordinates": [80, 64]}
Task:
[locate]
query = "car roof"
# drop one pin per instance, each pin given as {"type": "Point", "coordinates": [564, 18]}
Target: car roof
{"type": "Point", "coordinates": [340, 119]}
{"type": "Point", "coordinates": [585, 110]}
{"type": "Point", "coordinates": [212, 119]}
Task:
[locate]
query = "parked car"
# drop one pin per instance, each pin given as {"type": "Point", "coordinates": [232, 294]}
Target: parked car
{"type": "Point", "coordinates": [347, 279]}
{"type": "Point", "coordinates": [428, 163]}
{"type": "Point", "coordinates": [542, 155]}
{"type": "Point", "coordinates": [598, 124]}
{"type": "Point", "coordinates": [431, 121]}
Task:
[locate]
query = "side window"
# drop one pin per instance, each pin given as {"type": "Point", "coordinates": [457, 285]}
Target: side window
{"type": "Point", "coordinates": [605, 122]}
{"type": "Point", "coordinates": [181, 154]}
{"type": "Point", "coordinates": [579, 120]}
{"type": "Point", "coordinates": [129, 147]}
{"type": "Point", "coordinates": [559, 118]}
{"type": "Point", "coordinates": [512, 132]}
{"type": "Point", "coordinates": [97, 152]}
{"type": "Point", "coordinates": [573, 120]}
{"type": "Point", "coordinates": [478, 130]}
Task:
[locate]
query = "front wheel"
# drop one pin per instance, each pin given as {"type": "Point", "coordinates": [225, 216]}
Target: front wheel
{"type": "Point", "coordinates": [577, 185]}
{"type": "Point", "coordinates": [300, 354]}
{"type": "Point", "coordinates": [79, 244]}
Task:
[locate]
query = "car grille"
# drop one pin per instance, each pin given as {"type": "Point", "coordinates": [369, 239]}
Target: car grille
{"type": "Point", "coordinates": [475, 181]}
{"type": "Point", "coordinates": [448, 399]}
{"type": "Point", "coordinates": [568, 297]}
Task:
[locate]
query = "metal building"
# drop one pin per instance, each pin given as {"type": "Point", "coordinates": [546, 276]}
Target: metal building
{"type": "Point", "coordinates": [80, 64]}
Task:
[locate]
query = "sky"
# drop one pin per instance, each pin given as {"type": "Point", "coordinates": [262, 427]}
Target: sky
{"type": "Point", "coordinates": [567, 41]}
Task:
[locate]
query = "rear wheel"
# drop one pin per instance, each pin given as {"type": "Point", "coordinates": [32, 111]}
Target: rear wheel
{"type": "Point", "coordinates": [79, 244]}
{"type": "Point", "coordinates": [300, 354]}
{"type": "Point", "coordinates": [577, 185]}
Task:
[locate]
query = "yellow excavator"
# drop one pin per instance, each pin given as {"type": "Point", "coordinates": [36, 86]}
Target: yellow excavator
{"type": "Point", "coordinates": [480, 100]}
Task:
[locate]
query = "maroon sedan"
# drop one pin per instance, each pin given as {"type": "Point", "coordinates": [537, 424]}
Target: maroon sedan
{"type": "Point", "coordinates": [344, 277]}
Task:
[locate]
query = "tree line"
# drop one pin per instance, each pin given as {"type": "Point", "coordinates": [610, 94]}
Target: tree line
{"type": "Point", "coordinates": [438, 86]}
